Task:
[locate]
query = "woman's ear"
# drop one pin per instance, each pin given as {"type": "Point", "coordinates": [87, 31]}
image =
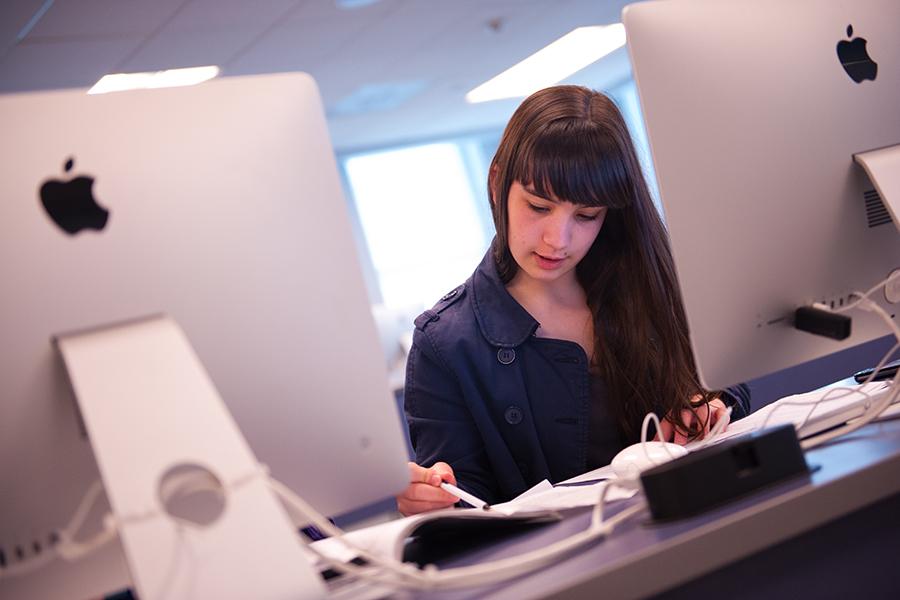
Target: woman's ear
{"type": "Point", "coordinates": [493, 175]}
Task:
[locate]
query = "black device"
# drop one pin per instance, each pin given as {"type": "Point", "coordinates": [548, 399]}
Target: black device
{"type": "Point", "coordinates": [822, 322]}
{"type": "Point", "coordinates": [717, 474]}
{"type": "Point", "coordinates": [888, 371]}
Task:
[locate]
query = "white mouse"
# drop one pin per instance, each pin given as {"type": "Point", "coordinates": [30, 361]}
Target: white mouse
{"type": "Point", "coordinates": [631, 461]}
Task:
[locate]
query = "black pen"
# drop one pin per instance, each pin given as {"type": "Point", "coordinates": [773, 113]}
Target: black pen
{"type": "Point", "coordinates": [580, 483]}
{"type": "Point", "coordinates": [888, 371]}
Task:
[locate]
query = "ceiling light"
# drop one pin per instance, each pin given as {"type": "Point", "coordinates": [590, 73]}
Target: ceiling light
{"type": "Point", "coordinates": [119, 82]}
{"type": "Point", "coordinates": [570, 53]}
{"type": "Point", "coordinates": [351, 4]}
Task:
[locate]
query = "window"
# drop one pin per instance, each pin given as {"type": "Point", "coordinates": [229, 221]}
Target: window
{"type": "Point", "coordinates": [425, 220]}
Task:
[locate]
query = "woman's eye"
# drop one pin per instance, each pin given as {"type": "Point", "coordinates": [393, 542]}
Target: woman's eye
{"type": "Point", "coordinates": [538, 209]}
{"type": "Point", "coordinates": [588, 217]}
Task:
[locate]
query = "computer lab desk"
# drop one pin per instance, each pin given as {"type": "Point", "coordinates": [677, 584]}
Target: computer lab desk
{"type": "Point", "coordinates": [832, 534]}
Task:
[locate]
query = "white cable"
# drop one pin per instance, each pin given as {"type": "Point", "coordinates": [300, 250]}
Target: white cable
{"type": "Point", "coordinates": [836, 393]}
{"type": "Point", "coordinates": [66, 547]}
{"type": "Point", "coordinates": [715, 432]}
{"type": "Point", "coordinates": [710, 437]}
{"type": "Point", "coordinates": [597, 513]}
{"type": "Point", "coordinates": [873, 409]}
{"type": "Point", "coordinates": [404, 575]}
{"type": "Point", "coordinates": [870, 414]}
{"type": "Point", "coordinates": [876, 408]}
{"type": "Point", "coordinates": [895, 276]}
{"type": "Point", "coordinates": [645, 426]}
{"type": "Point", "coordinates": [380, 570]}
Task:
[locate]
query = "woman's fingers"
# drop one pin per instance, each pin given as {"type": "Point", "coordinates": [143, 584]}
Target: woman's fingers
{"type": "Point", "coordinates": [719, 415]}
{"type": "Point", "coordinates": [666, 431]}
{"type": "Point", "coordinates": [424, 492]}
{"type": "Point", "coordinates": [444, 472]}
{"type": "Point", "coordinates": [680, 436]}
{"type": "Point", "coordinates": [408, 507]}
{"type": "Point", "coordinates": [698, 421]}
{"type": "Point", "coordinates": [421, 497]}
{"type": "Point", "coordinates": [696, 424]}
{"type": "Point", "coordinates": [433, 475]}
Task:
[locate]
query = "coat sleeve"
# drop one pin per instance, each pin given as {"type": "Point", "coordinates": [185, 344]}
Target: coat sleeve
{"type": "Point", "coordinates": [738, 398]}
{"type": "Point", "coordinates": [441, 427]}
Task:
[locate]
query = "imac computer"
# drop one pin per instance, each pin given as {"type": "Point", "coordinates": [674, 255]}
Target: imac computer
{"type": "Point", "coordinates": [220, 206]}
{"type": "Point", "coordinates": [755, 110]}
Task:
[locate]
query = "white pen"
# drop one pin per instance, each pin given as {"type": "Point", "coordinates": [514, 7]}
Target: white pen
{"type": "Point", "coordinates": [463, 495]}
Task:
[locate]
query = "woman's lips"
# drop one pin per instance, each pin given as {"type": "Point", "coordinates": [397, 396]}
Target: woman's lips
{"type": "Point", "coordinates": [548, 263]}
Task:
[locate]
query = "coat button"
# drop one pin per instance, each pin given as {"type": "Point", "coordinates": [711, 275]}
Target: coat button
{"type": "Point", "coordinates": [449, 295]}
{"type": "Point", "coordinates": [513, 415]}
{"type": "Point", "coordinates": [506, 355]}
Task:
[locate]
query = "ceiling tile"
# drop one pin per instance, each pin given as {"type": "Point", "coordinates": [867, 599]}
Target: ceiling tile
{"type": "Point", "coordinates": [396, 38]}
{"type": "Point", "coordinates": [71, 18]}
{"type": "Point", "coordinates": [173, 49]}
{"type": "Point", "coordinates": [206, 15]}
{"type": "Point", "coordinates": [60, 65]}
{"type": "Point", "coordinates": [298, 45]}
{"type": "Point", "coordinates": [13, 17]}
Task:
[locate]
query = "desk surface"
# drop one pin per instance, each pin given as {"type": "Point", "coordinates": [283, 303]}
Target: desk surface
{"type": "Point", "coordinates": [642, 558]}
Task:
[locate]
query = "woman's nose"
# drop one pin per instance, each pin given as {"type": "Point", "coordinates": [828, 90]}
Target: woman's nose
{"type": "Point", "coordinates": [558, 232]}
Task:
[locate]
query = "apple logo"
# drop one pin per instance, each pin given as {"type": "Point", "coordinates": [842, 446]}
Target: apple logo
{"type": "Point", "coordinates": [855, 59]}
{"type": "Point", "coordinates": [71, 205]}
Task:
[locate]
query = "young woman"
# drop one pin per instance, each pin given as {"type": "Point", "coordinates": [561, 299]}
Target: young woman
{"type": "Point", "coordinates": [543, 364]}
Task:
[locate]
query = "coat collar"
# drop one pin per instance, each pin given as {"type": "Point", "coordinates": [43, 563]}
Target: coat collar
{"type": "Point", "coordinates": [503, 321]}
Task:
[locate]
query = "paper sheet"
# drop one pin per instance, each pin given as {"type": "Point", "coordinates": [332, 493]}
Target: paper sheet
{"type": "Point", "coordinates": [378, 539]}
{"type": "Point", "coordinates": [595, 475]}
{"type": "Point", "coordinates": [550, 497]}
{"type": "Point", "coordinates": [807, 412]}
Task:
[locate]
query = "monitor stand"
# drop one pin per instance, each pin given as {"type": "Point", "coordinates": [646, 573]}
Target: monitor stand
{"type": "Point", "coordinates": [883, 168]}
{"type": "Point", "coordinates": [150, 409]}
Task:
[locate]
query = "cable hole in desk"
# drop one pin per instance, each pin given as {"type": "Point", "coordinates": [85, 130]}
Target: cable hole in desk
{"type": "Point", "coordinates": [192, 494]}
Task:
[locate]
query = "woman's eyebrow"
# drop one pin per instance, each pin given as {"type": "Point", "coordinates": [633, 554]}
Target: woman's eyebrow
{"type": "Point", "coordinates": [532, 191]}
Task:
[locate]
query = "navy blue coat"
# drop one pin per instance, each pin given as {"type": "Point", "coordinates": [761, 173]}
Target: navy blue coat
{"type": "Point", "coordinates": [503, 407]}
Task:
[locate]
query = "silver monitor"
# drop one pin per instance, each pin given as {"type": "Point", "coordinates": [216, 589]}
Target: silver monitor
{"type": "Point", "coordinates": [219, 205]}
{"type": "Point", "coordinates": [754, 112]}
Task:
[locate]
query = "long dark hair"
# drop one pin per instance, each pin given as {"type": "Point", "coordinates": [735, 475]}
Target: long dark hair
{"type": "Point", "coordinates": [572, 142]}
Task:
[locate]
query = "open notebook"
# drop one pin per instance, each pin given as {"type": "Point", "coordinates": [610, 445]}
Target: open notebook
{"type": "Point", "coordinates": [541, 504]}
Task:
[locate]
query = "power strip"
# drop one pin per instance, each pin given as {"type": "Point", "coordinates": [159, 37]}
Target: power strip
{"type": "Point", "coordinates": [718, 474]}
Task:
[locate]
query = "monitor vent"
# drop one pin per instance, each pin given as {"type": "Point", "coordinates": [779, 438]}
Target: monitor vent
{"type": "Point", "coordinates": [876, 211]}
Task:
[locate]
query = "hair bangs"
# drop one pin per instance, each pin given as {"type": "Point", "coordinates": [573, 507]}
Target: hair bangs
{"type": "Point", "coordinates": [575, 163]}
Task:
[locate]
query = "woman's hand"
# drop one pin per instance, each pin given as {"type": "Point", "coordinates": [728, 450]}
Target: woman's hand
{"type": "Point", "coordinates": [424, 493]}
{"type": "Point", "coordinates": [703, 417]}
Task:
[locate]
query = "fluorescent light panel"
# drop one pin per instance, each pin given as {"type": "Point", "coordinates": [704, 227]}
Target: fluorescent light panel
{"type": "Point", "coordinates": [570, 53]}
{"type": "Point", "coordinates": [120, 82]}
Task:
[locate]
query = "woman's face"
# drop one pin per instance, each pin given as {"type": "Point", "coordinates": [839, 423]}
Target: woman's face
{"type": "Point", "coordinates": [548, 237]}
